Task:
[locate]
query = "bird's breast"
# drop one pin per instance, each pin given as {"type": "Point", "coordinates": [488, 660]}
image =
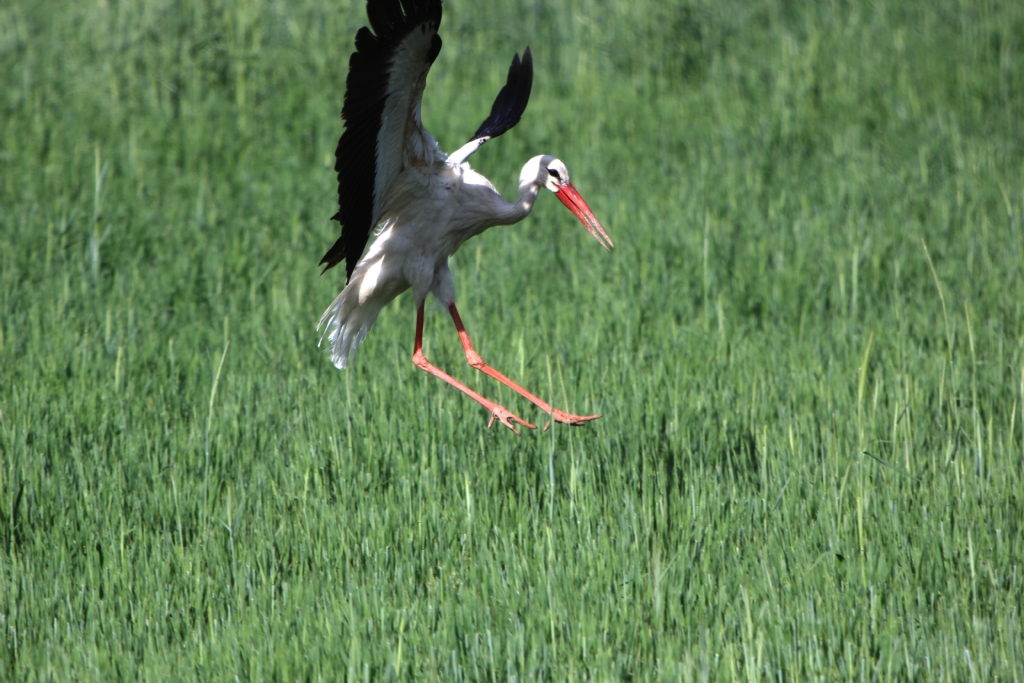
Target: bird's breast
{"type": "Point", "coordinates": [433, 210]}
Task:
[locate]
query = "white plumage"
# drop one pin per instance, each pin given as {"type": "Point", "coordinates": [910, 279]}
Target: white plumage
{"type": "Point", "coordinates": [424, 204]}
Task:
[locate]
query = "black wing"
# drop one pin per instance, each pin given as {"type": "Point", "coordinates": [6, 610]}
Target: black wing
{"type": "Point", "coordinates": [507, 109]}
{"type": "Point", "coordinates": [510, 103]}
{"type": "Point", "coordinates": [387, 70]}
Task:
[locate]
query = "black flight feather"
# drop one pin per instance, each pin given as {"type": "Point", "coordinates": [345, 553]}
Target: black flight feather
{"type": "Point", "coordinates": [510, 103]}
{"type": "Point", "coordinates": [366, 92]}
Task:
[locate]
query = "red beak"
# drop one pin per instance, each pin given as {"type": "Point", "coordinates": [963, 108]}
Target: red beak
{"type": "Point", "coordinates": [572, 199]}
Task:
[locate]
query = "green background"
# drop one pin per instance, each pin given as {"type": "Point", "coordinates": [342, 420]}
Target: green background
{"type": "Point", "coordinates": [808, 348]}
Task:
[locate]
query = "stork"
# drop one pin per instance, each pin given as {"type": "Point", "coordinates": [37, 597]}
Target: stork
{"type": "Point", "coordinates": [421, 204]}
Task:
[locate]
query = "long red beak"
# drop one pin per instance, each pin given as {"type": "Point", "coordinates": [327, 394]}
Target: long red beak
{"type": "Point", "coordinates": [572, 199]}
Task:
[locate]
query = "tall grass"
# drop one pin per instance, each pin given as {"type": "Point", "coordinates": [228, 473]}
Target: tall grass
{"type": "Point", "coordinates": [808, 348]}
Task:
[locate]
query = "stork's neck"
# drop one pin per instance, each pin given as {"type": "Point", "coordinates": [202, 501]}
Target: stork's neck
{"type": "Point", "coordinates": [523, 205]}
{"type": "Point", "coordinates": [528, 189]}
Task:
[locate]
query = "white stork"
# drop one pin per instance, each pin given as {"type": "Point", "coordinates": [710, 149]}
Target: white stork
{"type": "Point", "coordinates": [421, 204]}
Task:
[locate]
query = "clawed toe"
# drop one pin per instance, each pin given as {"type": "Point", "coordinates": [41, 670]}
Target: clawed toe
{"type": "Point", "coordinates": [574, 420]}
{"type": "Point", "coordinates": [507, 417]}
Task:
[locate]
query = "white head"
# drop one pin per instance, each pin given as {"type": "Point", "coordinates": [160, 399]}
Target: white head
{"type": "Point", "coordinates": [548, 171]}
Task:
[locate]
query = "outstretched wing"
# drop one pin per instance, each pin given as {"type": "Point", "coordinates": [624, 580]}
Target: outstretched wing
{"type": "Point", "coordinates": [383, 131]}
{"type": "Point", "coordinates": [507, 109]}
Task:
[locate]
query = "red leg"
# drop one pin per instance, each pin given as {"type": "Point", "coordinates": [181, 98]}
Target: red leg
{"type": "Point", "coordinates": [474, 359]}
{"type": "Point", "coordinates": [498, 412]}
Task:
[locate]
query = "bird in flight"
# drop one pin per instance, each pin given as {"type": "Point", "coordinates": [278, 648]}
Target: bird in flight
{"type": "Point", "coordinates": [420, 203]}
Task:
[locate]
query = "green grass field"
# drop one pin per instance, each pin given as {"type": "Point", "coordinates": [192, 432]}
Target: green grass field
{"type": "Point", "coordinates": [808, 347]}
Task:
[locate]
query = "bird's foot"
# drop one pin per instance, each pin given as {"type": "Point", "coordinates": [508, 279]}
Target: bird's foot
{"type": "Point", "coordinates": [566, 418]}
{"type": "Point", "coordinates": [507, 418]}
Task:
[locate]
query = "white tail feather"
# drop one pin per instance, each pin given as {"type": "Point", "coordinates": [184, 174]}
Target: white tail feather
{"type": "Point", "coordinates": [346, 323]}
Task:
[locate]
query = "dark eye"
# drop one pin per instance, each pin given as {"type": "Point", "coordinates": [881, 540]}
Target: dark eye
{"type": "Point", "coordinates": [553, 173]}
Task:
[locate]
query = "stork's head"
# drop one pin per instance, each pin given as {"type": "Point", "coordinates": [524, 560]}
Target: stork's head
{"type": "Point", "coordinates": [549, 172]}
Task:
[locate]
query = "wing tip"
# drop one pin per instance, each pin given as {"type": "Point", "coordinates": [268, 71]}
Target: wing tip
{"type": "Point", "coordinates": [393, 19]}
{"type": "Point", "coordinates": [510, 104]}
